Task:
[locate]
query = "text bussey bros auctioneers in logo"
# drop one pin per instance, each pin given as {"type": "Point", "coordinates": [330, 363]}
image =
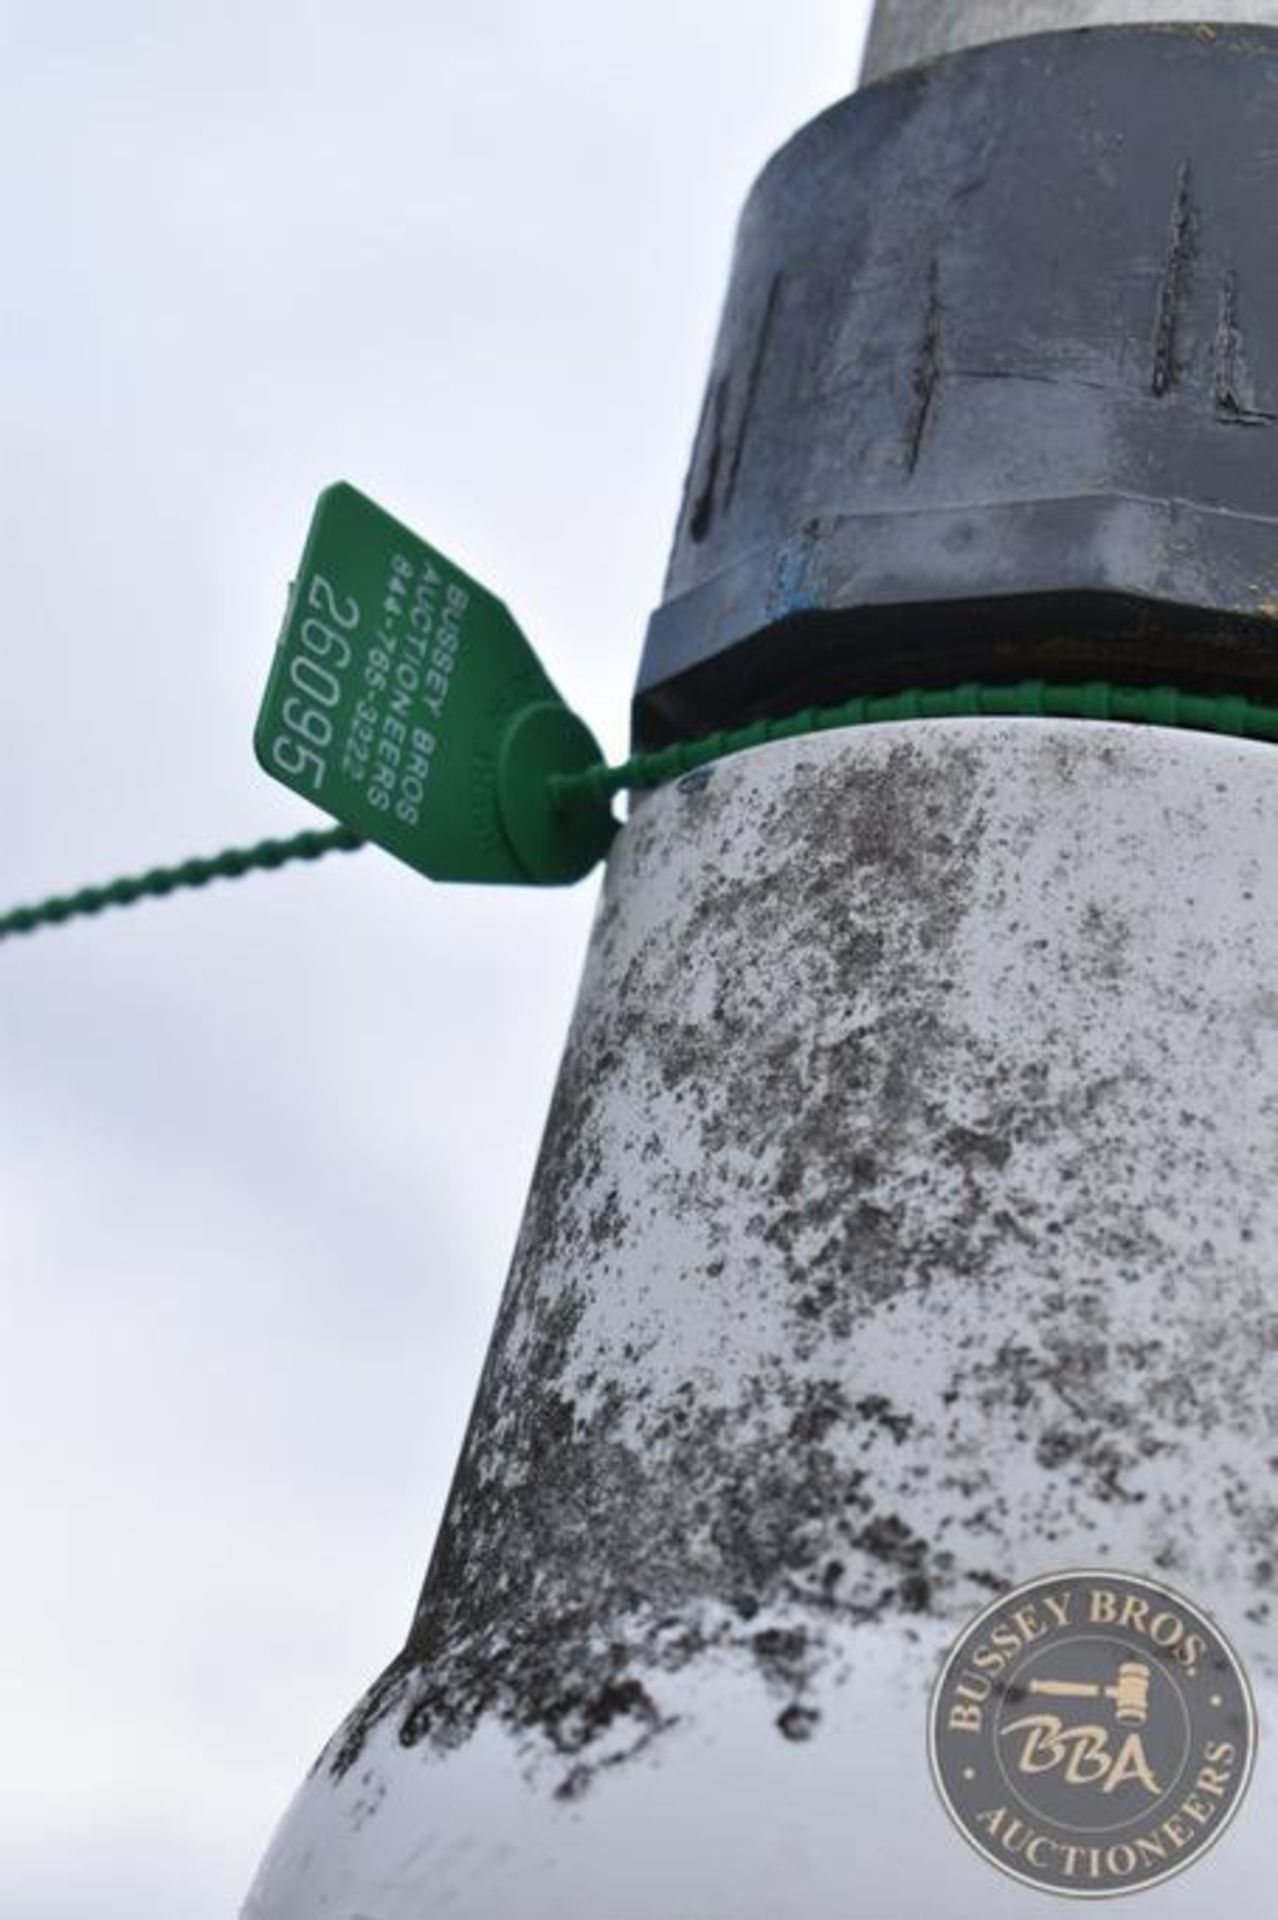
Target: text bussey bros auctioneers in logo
{"type": "Point", "coordinates": [1092, 1733]}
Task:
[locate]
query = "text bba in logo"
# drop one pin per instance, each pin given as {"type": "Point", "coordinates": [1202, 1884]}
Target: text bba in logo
{"type": "Point", "coordinates": [1092, 1733]}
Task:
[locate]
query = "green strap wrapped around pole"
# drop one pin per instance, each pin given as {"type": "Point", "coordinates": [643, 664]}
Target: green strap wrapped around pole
{"type": "Point", "coordinates": [538, 783]}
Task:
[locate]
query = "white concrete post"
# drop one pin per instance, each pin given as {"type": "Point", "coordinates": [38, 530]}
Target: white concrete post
{"type": "Point", "coordinates": [906, 1228]}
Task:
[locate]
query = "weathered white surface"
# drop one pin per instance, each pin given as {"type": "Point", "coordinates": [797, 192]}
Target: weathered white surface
{"type": "Point", "coordinates": [903, 32]}
{"type": "Point", "coordinates": [725, 1825]}
{"type": "Point", "coordinates": [905, 1228]}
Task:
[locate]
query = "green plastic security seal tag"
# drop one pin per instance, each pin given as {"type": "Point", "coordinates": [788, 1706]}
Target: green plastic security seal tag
{"type": "Point", "coordinates": [405, 701]}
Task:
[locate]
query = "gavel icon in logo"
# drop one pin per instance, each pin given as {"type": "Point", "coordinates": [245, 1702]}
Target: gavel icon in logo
{"type": "Point", "coordinates": [1129, 1692]}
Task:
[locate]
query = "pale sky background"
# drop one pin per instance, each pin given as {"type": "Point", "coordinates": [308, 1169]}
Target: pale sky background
{"type": "Point", "coordinates": [265, 1147]}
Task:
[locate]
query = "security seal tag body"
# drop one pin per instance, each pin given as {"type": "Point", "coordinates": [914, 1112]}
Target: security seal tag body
{"type": "Point", "coordinates": [405, 701]}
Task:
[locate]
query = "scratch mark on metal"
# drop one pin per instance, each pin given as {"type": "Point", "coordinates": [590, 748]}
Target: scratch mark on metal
{"type": "Point", "coordinates": [752, 385]}
{"type": "Point", "coordinates": [1174, 287]}
{"type": "Point", "coordinates": [713, 413]}
{"type": "Point", "coordinates": [927, 370]}
{"type": "Point", "coordinates": [1232, 388]}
